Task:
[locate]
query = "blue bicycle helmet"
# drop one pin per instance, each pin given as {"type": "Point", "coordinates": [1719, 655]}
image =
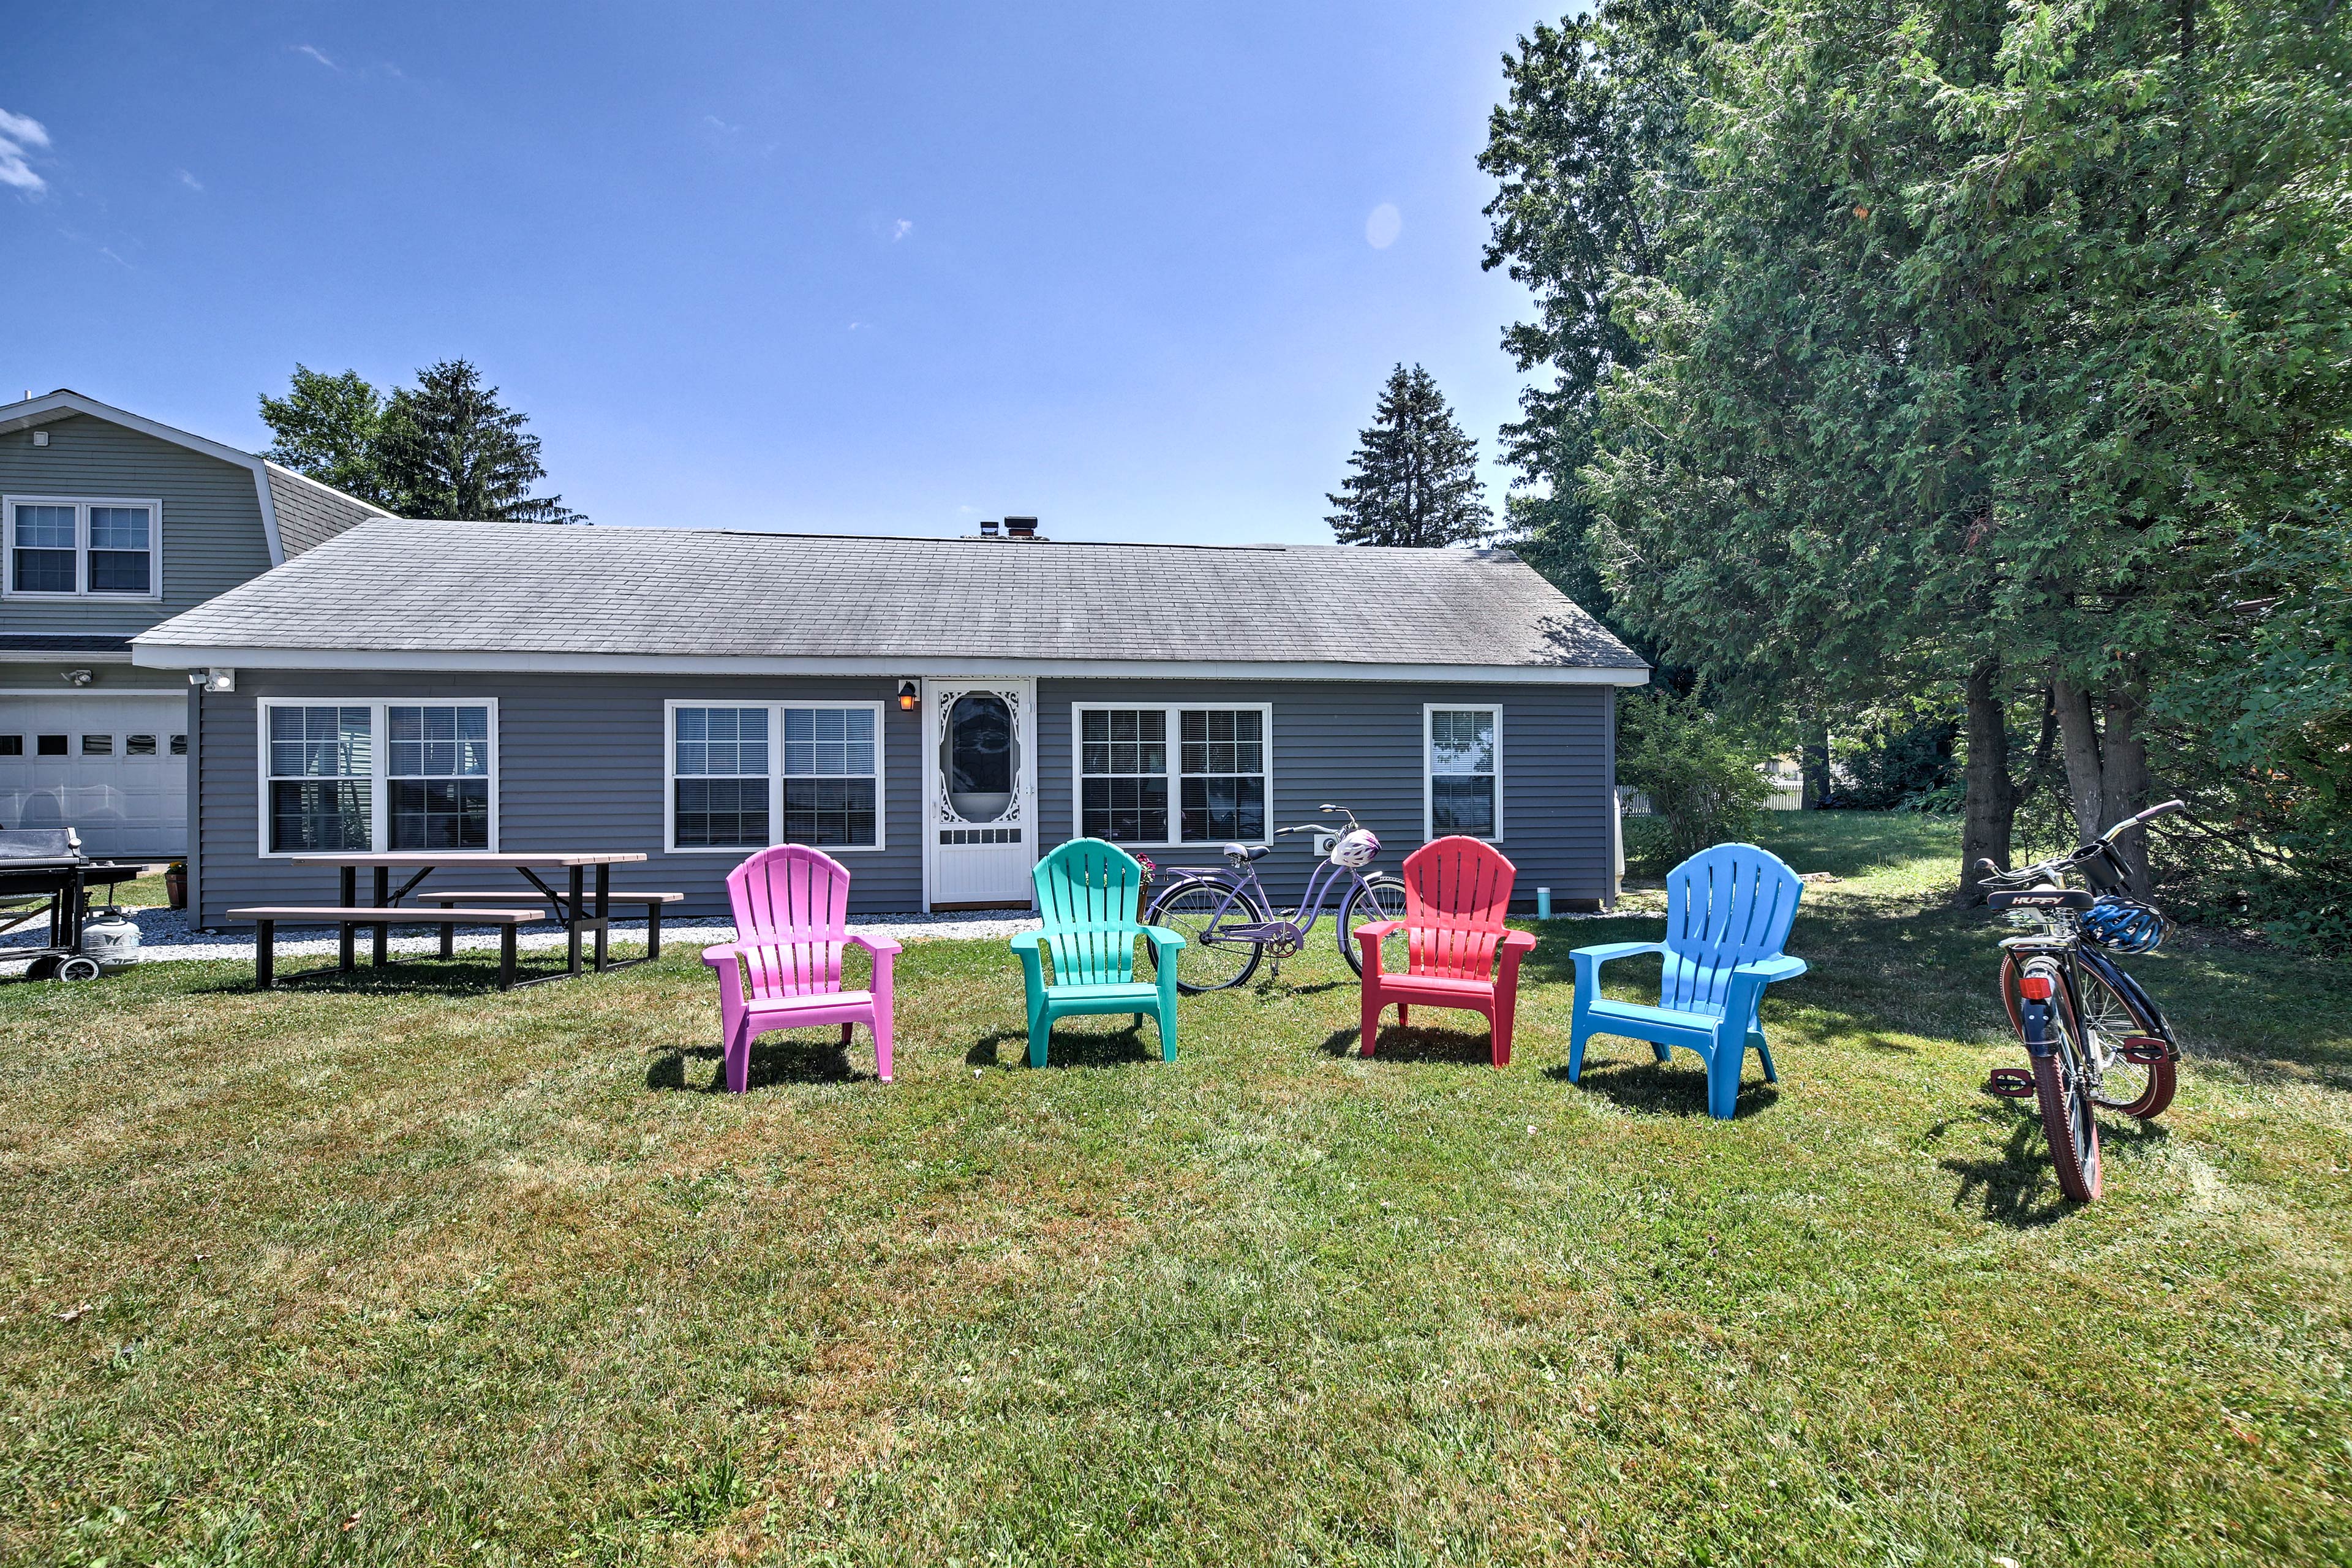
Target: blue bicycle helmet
{"type": "Point", "coordinates": [2122, 925]}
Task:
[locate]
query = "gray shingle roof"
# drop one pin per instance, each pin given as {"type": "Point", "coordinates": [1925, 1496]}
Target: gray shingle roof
{"type": "Point", "coordinates": [311, 514]}
{"type": "Point", "coordinates": [478, 587]}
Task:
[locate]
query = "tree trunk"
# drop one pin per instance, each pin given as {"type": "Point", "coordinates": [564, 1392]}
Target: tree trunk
{"type": "Point", "coordinates": [1991, 806]}
{"type": "Point", "coordinates": [2080, 733]}
{"type": "Point", "coordinates": [1814, 761]}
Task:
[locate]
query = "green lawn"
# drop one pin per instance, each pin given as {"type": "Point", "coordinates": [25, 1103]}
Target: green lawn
{"type": "Point", "coordinates": [426, 1274]}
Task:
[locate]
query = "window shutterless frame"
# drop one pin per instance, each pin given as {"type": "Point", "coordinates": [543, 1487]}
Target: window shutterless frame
{"type": "Point", "coordinates": [775, 711]}
{"type": "Point", "coordinates": [1428, 775]}
{"type": "Point", "coordinates": [378, 776]}
{"type": "Point", "coordinates": [108, 534]}
{"type": "Point", "coordinates": [1174, 774]}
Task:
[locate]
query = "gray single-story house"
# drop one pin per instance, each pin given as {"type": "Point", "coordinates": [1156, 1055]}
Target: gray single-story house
{"type": "Point", "coordinates": [933, 712]}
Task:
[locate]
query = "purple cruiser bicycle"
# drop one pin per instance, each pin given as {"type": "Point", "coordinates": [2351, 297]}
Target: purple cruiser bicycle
{"type": "Point", "coordinates": [1228, 923]}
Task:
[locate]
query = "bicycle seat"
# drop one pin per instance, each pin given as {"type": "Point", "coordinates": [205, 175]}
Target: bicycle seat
{"type": "Point", "coordinates": [1243, 852]}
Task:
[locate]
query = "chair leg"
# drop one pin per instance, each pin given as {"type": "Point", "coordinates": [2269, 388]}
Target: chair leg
{"type": "Point", "coordinates": [1764, 1051]}
{"type": "Point", "coordinates": [739, 1057]}
{"type": "Point", "coordinates": [1167, 1020]}
{"type": "Point", "coordinates": [1372, 1010]}
{"type": "Point", "coordinates": [1664, 1053]}
{"type": "Point", "coordinates": [848, 1033]}
{"type": "Point", "coordinates": [1501, 1025]}
{"type": "Point", "coordinates": [882, 1036]}
{"type": "Point", "coordinates": [1723, 1080]}
{"type": "Point", "coordinates": [1405, 1018]}
{"type": "Point", "coordinates": [1041, 1029]}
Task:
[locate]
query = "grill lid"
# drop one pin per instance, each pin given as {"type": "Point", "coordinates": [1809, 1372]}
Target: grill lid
{"type": "Point", "coordinates": [40, 843]}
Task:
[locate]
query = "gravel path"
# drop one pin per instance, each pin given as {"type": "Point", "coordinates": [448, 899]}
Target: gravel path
{"type": "Point", "coordinates": [166, 936]}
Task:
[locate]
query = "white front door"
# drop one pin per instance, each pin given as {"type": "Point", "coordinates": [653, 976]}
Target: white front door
{"type": "Point", "coordinates": [104, 765]}
{"type": "Point", "coordinates": [980, 791]}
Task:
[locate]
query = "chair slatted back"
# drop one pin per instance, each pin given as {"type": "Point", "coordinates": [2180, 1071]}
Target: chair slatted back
{"type": "Point", "coordinates": [792, 916]}
{"type": "Point", "coordinates": [1456, 892]}
{"type": "Point", "coordinates": [1086, 895]}
{"type": "Point", "coordinates": [1727, 906]}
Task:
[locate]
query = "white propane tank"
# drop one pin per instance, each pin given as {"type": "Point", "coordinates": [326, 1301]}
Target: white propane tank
{"type": "Point", "coordinates": [107, 936]}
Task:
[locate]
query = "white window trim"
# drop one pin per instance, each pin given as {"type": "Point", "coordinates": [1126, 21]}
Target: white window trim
{"type": "Point", "coordinates": [379, 762]}
{"type": "Point", "coordinates": [1429, 711]}
{"type": "Point", "coordinates": [775, 710]}
{"type": "Point", "coordinates": [81, 505]}
{"type": "Point", "coordinates": [1175, 839]}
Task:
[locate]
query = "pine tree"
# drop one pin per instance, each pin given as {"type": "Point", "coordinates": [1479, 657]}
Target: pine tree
{"type": "Point", "coordinates": [1416, 474]}
{"type": "Point", "coordinates": [447, 449]}
{"type": "Point", "coordinates": [444, 448]}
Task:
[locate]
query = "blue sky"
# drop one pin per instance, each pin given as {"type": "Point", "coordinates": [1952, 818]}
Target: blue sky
{"type": "Point", "coordinates": [879, 267]}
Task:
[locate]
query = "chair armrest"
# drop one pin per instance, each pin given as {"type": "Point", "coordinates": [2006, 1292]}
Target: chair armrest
{"type": "Point", "coordinates": [1027, 940]}
{"type": "Point", "coordinates": [1518, 942]}
{"type": "Point", "coordinates": [1782, 967]}
{"type": "Point", "coordinates": [1374, 930]}
{"type": "Point", "coordinates": [1597, 957]}
{"type": "Point", "coordinates": [722, 955]}
{"type": "Point", "coordinates": [1161, 938]}
{"type": "Point", "coordinates": [878, 945]}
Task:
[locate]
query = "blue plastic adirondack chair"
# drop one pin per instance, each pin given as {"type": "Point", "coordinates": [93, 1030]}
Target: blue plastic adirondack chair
{"type": "Point", "coordinates": [1087, 892]}
{"type": "Point", "coordinates": [1727, 915]}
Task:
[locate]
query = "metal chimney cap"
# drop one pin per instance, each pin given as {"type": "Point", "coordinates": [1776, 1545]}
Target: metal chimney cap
{"type": "Point", "coordinates": [1020, 527]}
{"type": "Point", "coordinates": [988, 527]}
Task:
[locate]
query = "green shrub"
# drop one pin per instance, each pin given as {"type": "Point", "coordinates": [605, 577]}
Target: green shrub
{"type": "Point", "coordinates": [1703, 785]}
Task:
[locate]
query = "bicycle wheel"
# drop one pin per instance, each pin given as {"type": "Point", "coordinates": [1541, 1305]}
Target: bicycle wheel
{"type": "Point", "coordinates": [1374, 899]}
{"type": "Point", "coordinates": [2109, 1017]}
{"type": "Point", "coordinates": [1200, 911]}
{"type": "Point", "coordinates": [2068, 1120]}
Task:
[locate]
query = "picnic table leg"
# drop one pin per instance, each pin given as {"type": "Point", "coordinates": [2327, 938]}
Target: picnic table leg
{"type": "Point", "coordinates": [579, 907]}
{"type": "Point", "coordinates": [265, 954]}
{"type": "Point", "coordinates": [383, 928]}
{"type": "Point", "coordinates": [506, 958]}
{"type": "Point", "coordinates": [653, 931]}
{"type": "Point", "coordinates": [344, 958]}
{"type": "Point", "coordinates": [448, 935]}
{"type": "Point", "coordinates": [604, 913]}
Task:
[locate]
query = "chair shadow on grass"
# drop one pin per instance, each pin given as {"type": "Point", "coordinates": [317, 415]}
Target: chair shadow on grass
{"type": "Point", "coordinates": [1415, 1044]}
{"type": "Point", "coordinates": [1073, 1045]}
{"type": "Point", "coordinates": [1637, 1081]}
{"type": "Point", "coordinates": [2020, 1189]}
{"type": "Point", "coordinates": [803, 1056]}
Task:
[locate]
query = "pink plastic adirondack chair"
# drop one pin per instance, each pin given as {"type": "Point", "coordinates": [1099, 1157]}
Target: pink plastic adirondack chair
{"type": "Point", "coordinates": [1457, 891]}
{"type": "Point", "coordinates": [790, 927]}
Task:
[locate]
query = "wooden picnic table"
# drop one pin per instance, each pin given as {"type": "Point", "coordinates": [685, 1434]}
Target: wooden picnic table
{"type": "Point", "coordinates": [578, 908]}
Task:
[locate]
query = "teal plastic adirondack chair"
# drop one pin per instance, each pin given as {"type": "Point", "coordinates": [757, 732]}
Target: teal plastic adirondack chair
{"type": "Point", "coordinates": [1727, 914]}
{"type": "Point", "coordinates": [1087, 892]}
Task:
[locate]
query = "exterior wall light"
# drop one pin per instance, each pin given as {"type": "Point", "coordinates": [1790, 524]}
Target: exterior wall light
{"type": "Point", "coordinates": [909, 695]}
{"type": "Point", "coordinates": [214, 680]}
{"type": "Point", "coordinates": [75, 677]}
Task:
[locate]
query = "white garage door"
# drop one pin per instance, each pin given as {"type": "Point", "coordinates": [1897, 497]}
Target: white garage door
{"type": "Point", "coordinates": [113, 768]}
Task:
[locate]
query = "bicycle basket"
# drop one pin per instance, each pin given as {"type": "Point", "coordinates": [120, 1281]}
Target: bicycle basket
{"type": "Point", "coordinates": [2124, 925]}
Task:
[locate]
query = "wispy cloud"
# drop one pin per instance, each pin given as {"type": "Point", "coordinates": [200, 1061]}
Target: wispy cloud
{"type": "Point", "coordinates": [316, 53]}
{"type": "Point", "coordinates": [19, 137]}
{"type": "Point", "coordinates": [901, 229]}
{"type": "Point", "coordinates": [190, 180]}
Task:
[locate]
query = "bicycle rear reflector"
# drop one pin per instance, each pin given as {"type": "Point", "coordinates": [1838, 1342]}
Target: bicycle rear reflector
{"type": "Point", "coordinates": [2034, 987]}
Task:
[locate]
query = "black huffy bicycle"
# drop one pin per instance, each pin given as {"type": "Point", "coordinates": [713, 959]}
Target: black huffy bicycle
{"type": "Point", "coordinates": [2098, 1041]}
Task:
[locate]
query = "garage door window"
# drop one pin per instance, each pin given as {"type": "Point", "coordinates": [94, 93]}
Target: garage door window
{"type": "Point", "coordinates": [51, 746]}
{"type": "Point", "coordinates": [138, 745]}
{"type": "Point", "coordinates": [97, 745]}
{"type": "Point", "coordinates": [81, 547]}
{"type": "Point", "coordinates": [12, 745]}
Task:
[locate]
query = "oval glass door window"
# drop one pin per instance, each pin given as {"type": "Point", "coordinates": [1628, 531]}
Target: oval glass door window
{"type": "Point", "coordinates": [979, 756]}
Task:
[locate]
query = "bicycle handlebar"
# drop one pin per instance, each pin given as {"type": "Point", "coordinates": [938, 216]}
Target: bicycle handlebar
{"type": "Point", "coordinates": [2150, 815]}
{"type": "Point", "coordinates": [2059, 865]}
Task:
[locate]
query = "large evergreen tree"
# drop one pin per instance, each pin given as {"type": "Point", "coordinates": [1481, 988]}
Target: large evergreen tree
{"type": "Point", "coordinates": [444, 449]}
{"type": "Point", "coordinates": [1416, 474]}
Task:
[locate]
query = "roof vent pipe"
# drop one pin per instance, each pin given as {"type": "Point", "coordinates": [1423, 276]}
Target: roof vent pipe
{"type": "Point", "coordinates": [987, 528]}
{"type": "Point", "coordinates": [1020, 527]}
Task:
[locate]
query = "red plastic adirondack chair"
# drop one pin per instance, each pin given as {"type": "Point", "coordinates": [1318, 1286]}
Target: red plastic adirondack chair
{"type": "Point", "coordinates": [1457, 891]}
{"type": "Point", "coordinates": [791, 928]}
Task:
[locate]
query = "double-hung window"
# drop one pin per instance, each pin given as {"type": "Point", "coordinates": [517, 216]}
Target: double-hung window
{"type": "Point", "coordinates": [1172, 773]}
{"type": "Point", "coordinates": [77, 547]}
{"type": "Point", "coordinates": [377, 776]}
{"type": "Point", "coordinates": [746, 775]}
{"type": "Point", "coordinates": [1462, 753]}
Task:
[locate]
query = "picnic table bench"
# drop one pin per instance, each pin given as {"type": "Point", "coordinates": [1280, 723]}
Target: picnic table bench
{"type": "Point", "coordinates": [268, 917]}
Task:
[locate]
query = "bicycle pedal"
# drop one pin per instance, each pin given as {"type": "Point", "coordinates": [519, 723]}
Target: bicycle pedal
{"type": "Point", "coordinates": [2146, 1050]}
{"type": "Point", "coordinates": [2011, 1083]}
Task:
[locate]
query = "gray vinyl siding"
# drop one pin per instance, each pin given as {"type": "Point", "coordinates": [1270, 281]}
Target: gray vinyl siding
{"type": "Point", "coordinates": [211, 531]}
{"type": "Point", "coordinates": [310, 514]}
{"type": "Point", "coordinates": [1358, 744]}
{"type": "Point", "coordinates": [47, 672]}
{"type": "Point", "coordinates": [581, 767]}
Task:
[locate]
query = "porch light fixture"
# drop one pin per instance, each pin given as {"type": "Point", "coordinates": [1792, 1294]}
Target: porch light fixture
{"type": "Point", "coordinates": [214, 680]}
{"type": "Point", "coordinates": [909, 694]}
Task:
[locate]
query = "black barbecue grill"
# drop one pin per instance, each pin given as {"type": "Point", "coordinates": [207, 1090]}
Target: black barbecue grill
{"type": "Point", "coordinates": [43, 872]}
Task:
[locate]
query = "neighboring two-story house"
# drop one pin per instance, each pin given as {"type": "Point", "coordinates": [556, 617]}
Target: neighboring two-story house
{"type": "Point", "coordinates": [109, 524]}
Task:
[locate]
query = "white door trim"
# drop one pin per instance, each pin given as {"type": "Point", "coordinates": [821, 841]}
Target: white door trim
{"type": "Point", "coordinates": [938, 692]}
